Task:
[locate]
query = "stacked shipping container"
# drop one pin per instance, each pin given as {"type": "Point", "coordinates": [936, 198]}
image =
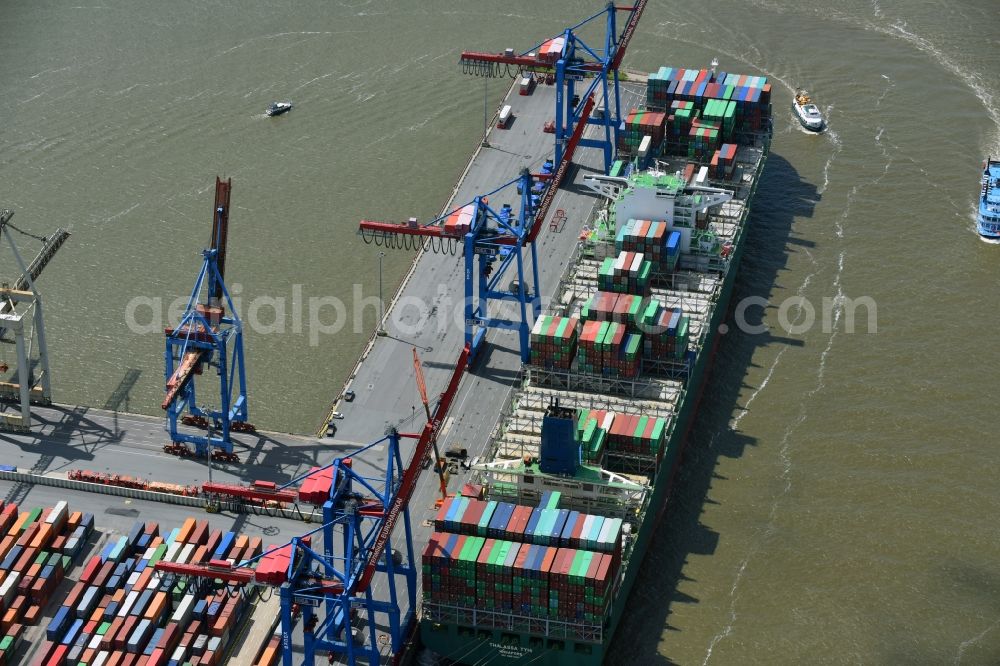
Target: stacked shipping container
{"type": "Point", "coordinates": [621, 308]}
{"type": "Point", "coordinates": [723, 162]}
{"type": "Point", "coordinates": [628, 433]}
{"type": "Point", "coordinates": [607, 349]}
{"type": "Point", "coordinates": [539, 562]}
{"type": "Point", "coordinates": [652, 238]}
{"type": "Point", "coordinates": [553, 342]}
{"type": "Point", "coordinates": [123, 612]}
{"type": "Point", "coordinates": [666, 334]}
{"type": "Point", "coordinates": [639, 124]}
{"type": "Point", "coordinates": [736, 102]}
{"type": "Point", "coordinates": [628, 273]}
{"type": "Point", "coordinates": [39, 548]}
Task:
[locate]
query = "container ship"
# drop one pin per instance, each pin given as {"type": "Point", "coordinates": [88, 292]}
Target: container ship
{"type": "Point", "coordinates": [534, 560]}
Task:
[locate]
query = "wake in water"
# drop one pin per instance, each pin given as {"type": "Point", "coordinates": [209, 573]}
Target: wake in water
{"type": "Point", "coordinates": [786, 442]}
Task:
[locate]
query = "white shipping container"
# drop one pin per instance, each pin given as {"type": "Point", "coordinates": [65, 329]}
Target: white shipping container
{"type": "Point", "coordinates": [172, 551]}
{"type": "Point", "coordinates": [95, 642]}
{"type": "Point", "coordinates": [9, 586]}
{"type": "Point", "coordinates": [588, 524]}
{"type": "Point", "coordinates": [101, 657]}
{"type": "Point", "coordinates": [183, 611]}
{"type": "Point", "coordinates": [636, 264]}
{"type": "Point", "coordinates": [180, 654]}
{"type": "Point", "coordinates": [186, 553]}
{"type": "Point", "coordinates": [644, 145]}
{"type": "Point", "coordinates": [604, 536]}
{"type": "Point", "coordinates": [129, 602]}
{"type": "Point", "coordinates": [702, 176]}
{"type": "Point", "coordinates": [59, 513]}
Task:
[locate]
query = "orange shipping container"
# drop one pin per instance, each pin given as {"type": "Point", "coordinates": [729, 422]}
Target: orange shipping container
{"type": "Point", "coordinates": [32, 614]}
{"type": "Point", "coordinates": [154, 611]}
{"type": "Point", "coordinates": [186, 529]}
{"type": "Point", "coordinates": [269, 657]}
{"type": "Point", "coordinates": [19, 524]}
{"type": "Point", "coordinates": [143, 580]}
{"type": "Point", "coordinates": [43, 536]}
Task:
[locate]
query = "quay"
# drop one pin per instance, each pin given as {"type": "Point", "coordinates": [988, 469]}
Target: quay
{"type": "Point", "coordinates": [65, 438]}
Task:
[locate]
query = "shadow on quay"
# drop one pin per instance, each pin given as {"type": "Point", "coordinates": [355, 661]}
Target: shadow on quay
{"type": "Point", "coordinates": [67, 433]}
{"type": "Point", "coordinates": [644, 634]}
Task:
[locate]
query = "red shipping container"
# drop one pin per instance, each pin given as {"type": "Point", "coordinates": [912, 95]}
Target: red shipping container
{"type": "Point", "coordinates": [158, 658]}
{"type": "Point", "coordinates": [91, 569]}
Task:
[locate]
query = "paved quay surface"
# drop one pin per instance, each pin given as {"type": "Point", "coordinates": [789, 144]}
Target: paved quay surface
{"type": "Point", "coordinates": [386, 395]}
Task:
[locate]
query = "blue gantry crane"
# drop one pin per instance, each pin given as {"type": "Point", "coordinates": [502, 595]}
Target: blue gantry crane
{"type": "Point", "coordinates": [568, 61]}
{"type": "Point", "coordinates": [492, 238]}
{"type": "Point", "coordinates": [210, 334]}
{"type": "Point", "coordinates": [331, 582]}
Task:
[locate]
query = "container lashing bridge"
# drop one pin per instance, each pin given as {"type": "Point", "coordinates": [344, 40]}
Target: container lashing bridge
{"type": "Point", "coordinates": [491, 238]}
{"type": "Point", "coordinates": [210, 334]}
{"type": "Point", "coordinates": [331, 584]}
{"type": "Point", "coordinates": [565, 60]}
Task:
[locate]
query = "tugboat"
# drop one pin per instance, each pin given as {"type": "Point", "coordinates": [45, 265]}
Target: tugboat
{"type": "Point", "coordinates": [278, 108]}
{"type": "Point", "coordinates": [988, 216]}
{"type": "Point", "coordinates": [807, 112]}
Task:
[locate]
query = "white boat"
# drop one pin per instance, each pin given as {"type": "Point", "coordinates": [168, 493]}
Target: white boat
{"type": "Point", "coordinates": [807, 112]}
{"type": "Point", "coordinates": [277, 108]}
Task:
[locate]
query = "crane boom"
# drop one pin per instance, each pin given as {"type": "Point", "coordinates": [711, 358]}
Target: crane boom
{"type": "Point", "coordinates": [421, 386]}
{"type": "Point", "coordinates": [406, 485]}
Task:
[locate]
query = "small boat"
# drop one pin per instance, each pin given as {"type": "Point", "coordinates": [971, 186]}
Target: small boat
{"type": "Point", "coordinates": [278, 108]}
{"type": "Point", "coordinates": [988, 216]}
{"type": "Point", "coordinates": [807, 112]}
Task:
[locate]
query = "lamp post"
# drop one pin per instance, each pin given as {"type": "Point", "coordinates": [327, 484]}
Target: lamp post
{"type": "Point", "coordinates": [208, 448]}
{"type": "Point", "coordinates": [211, 506]}
{"type": "Point", "coordinates": [381, 303]}
{"type": "Point", "coordinates": [486, 121]}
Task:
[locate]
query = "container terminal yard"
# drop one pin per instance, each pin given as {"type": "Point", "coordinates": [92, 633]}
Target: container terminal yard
{"type": "Point", "coordinates": [217, 543]}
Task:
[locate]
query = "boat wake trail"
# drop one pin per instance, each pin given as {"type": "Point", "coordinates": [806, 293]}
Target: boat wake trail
{"type": "Point", "coordinates": [972, 641]}
{"type": "Point", "coordinates": [973, 80]}
{"type": "Point", "coordinates": [837, 147]}
{"type": "Point", "coordinates": [786, 443]}
{"type": "Point", "coordinates": [784, 454]}
{"type": "Point", "coordinates": [774, 364]}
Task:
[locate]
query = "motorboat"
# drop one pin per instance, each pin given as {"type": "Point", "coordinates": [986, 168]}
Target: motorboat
{"type": "Point", "coordinates": [988, 215]}
{"type": "Point", "coordinates": [278, 108]}
{"type": "Point", "coordinates": [807, 112]}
